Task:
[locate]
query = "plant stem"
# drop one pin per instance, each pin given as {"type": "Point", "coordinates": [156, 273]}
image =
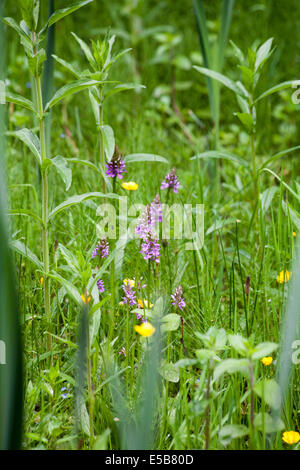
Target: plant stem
{"type": "Point", "coordinates": [102, 152]}
{"type": "Point", "coordinates": [251, 405]}
{"type": "Point", "coordinates": [207, 411]}
{"type": "Point", "coordinates": [44, 206]}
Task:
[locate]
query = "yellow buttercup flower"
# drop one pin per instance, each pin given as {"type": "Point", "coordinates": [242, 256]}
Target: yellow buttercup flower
{"type": "Point", "coordinates": [145, 329]}
{"type": "Point", "coordinates": [130, 186]}
{"type": "Point", "coordinates": [86, 298]}
{"type": "Point", "coordinates": [42, 281]}
{"type": "Point", "coordinates": [267, 360]}
{"type": "Point", "coordinates": [284, 276]}
{"type": "Point", "coordinates": [130, 282]}
{"type": "Point", "coordinates": [291, 437]}
{"type": "Point", "coordinates": [143, 303]}
{"type": "Point", "coordinates": [294, 234]}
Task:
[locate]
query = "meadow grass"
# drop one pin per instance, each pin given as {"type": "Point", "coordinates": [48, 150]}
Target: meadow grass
{"type": "Point", "coordinates": [199, 381]}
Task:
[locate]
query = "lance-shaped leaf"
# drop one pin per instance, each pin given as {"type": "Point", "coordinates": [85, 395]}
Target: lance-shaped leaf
{"type": "Point", "coordinates": [26, 41]}
{"type": "Point", "coordinates": [19, 100]}
{"type": "Point", "coordinates": [222, 154]}
{"type": "Point", "coordinates": [274, 89]}
{"type": "Point", "coordinates": [86, 50]}
{"type": "Point", "coordinates": [59, 14]}
{"type": "Point", "coordinates": [77, 199]}
{"type": "Point", "coordinates": [22, 249]}
{"type": "Point", "coordinates": [31, 140]}
{"type": "Point", "coordinates": [223, 79]}
{"type": "Point", "coordinates": [71, 89]}
{"type": "Point", "coordinates": [144, 157]}
{"type": "Point", "coordinates": [63, 170]}
{"type": "Point", "coordinates": [109, 141]}
{"type": "Point", "coordinates": [123, 87]}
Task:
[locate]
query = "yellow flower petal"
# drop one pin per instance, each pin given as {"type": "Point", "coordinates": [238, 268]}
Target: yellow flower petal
{"type": "Point", "coordinates": [143, 303]}
{"type": "Point", "coordinates": [130, 282]}
{"type": "Point", "coordinates": [284, 276]}
{"type": "Point", "coordinates": [145, 329]}
{"type": "Point", "coordinates": [130, 185]}
{"type": "Point", "coordinates": [291, 437]}
{"type": "Point", "coordinates": [294, 234]}
{"type": "Point", "coordinates": [42, 281]}
{"type": "Point", "coordinates": [86, 299]}
{"type": "Point", "coordinates": [267, 360]}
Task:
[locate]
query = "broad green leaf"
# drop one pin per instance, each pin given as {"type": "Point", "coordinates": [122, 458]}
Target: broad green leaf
{"type": "Point", "coordinates": [240, 344]}
{"type": "Point", "coordinates": [232, 431]}
{"type": "Point", "coordinates": [169, 372]}
{"type": "Point", "coordinates": [222, 79]}
{"type": "Point", "coordinates": [63, 169]}
{"type": "Point", "coordinates": [268, 423]}
{"type": "Point", "coordinates": [19, 100]}
{"type": "Point", "coordinates": [59, 14]}
{"type": "Point", "coordinates": [144, 157]}
{"type": "Point", "coordinates": [274, 89]}
{"type": "Point", "coordinates": [231, 366]}
{"type": "Point", "coordinates": [263, 349]}
{"type": "Point", "coordinates": [31, 140]}
{"type": "Point", "coordinates": [204, 355]}
{"type": "Point", "coordinates": [22, 249]}
{"type": "Point", "coordinates": [170, 322]}
{"type": "Point", "coordinates": [77, 199]}
{"type": "Point", "coordinates": [266, 198]}
{"type": "Point", "coordinates": [221, 155]}
{"type": "Point", "coordinates": [109, 141]}
{"type": "Point", "coordinates": [269, 390]}
{"type": "Point", "coordinates": [70, 89]}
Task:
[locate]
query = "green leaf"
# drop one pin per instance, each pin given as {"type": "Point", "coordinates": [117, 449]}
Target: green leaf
{"type": "Point", "coordinates": [170, 322]}
{"type": "Point", "coordinates": [263, 349]}
{"type": "Point", "coordinates": [22, 249]}
{"type": "Point", "coordinates": [59, 14]}
{"type": "Point", "coordinates": [84, 163]}
{"type": "Point", "coordinates": [204, 355]}
{"type": "Point", "coordinates": [36, 62]}
{"type": "Point", "coordinates": [123, 87]}
{"type": "Point", "coordinates": [70, 288]}
{"type": "Point", "coordinates": [232, 431]}
{"type": "Point", "coordinates": [279, 155]}
{"type": "Point", "coordinates": [67, 66]}
{"type": "Point", "coordinates": [109, 140]}
{"type": "Point", "coordinates": [63, 169]}
{"type": "Point", "coordinates": [169, 371]}
{"type": "Point", "coordinates": [27, 213]}
{"type": "Point", "coordinates": [263, 53]}
{"type": "Point", "coordinates": [222, 79]}
{"type": "Point", "coordinates": [270, 391]}
{"type": "Point", "coordinates": [19, 100]}
{"type": "Point", "coordinates": [77, 199]}
{"type": "Point", "coordinates": [26, 41]}
{"type": "Point", "coordinates": [231, 366]}
{"type": "Point", "coordinates": [221, 155]}
{"type": "Point", "coordinates": [86, 50]}
{"type": "Point", "coordinates": [144, 157]}
{"type": "Point", "coordinates": [70, 89]}
{"type": "Point", "coordinates": [240, 344]}
{"type": "Point", "coordinates": [274, 89]}
{"type": "Point", "coordinates": [31, 140]}
{"type": "Point", "coordinates": [247, 120]}
{"type": "Point", "coordinates": [271, 425]}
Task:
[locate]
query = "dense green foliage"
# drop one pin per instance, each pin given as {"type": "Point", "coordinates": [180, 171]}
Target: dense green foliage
{"type": "Point", "coordinates": [199, 381]}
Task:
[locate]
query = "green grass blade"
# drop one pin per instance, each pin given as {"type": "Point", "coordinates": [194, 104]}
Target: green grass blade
{"type": "Point", "coordinates": [11, 387]}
